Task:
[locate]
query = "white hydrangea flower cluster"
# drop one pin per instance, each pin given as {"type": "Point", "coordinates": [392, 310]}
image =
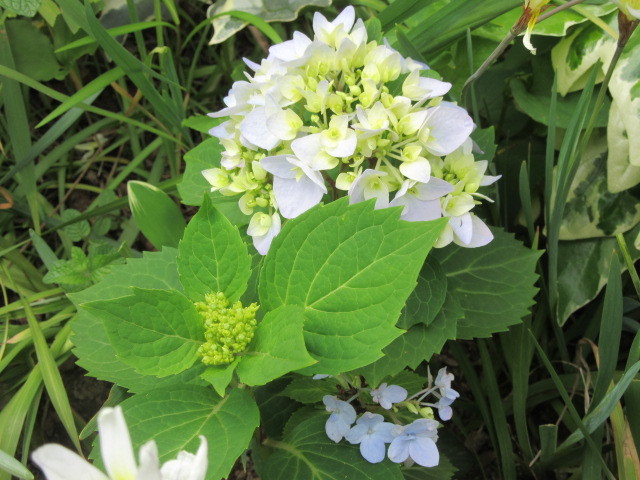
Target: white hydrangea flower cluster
{"type": "Point", "coordinates": [415, 442]}
{"type": "Point", "coordinates": [338, 114]}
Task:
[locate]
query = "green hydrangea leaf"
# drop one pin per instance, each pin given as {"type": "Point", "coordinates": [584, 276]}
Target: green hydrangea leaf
{"type": "Point", "coordinates": [418, 344]}
{"type": "Point", "coordinates": [351, 268]}
{"type": "Point", "coordinates": [275, 409]}
{"type": "Point", "coordinates": [444, 471]}
{"type": "Point", "coordinates": [308, 390]}
{"type": "Point", "coordinates": [158, 332]}
{"type": "Point", "coordinates": [494, 283]}
{"type": "Point", "coordinates": [91, 342]}
{"type": "Point", "coordinates": [277, 347]}
{"type": "Point", "coordinates": [425, 301]}
{"type": "Point", "coordinates": [175, 417]}
{"type": "Point", "coordinates": [307, 453]}
{"type": "Point", "coordinates": [194, 186]}
{"type": "Point", "coordinates": [212, 256]}
{"type": "Point", "coordinates": [28, 8]}
{"type": "Point", "coordinates": [220, 376]}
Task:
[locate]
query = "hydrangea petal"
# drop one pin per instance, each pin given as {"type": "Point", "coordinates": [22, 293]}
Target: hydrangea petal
{"type": "Point", "coordinates": [423, 451]}
{"type": "Point", "coordinates": [295, 196]}
{"type": "Point", "coordinates": [449, 127]}
{"type": "Point", "coordinates": [372, 449]}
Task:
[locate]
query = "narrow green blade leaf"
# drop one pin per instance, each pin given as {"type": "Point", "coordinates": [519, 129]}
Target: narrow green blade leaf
{"type": "Point", "coordinates": [114, 32]}
{"type": "Point", "coordinates": [158, 217]}
{"type": "Point", "coordinates": [94, 87]}
{"type": "Point", "coordinates": [13, 466]}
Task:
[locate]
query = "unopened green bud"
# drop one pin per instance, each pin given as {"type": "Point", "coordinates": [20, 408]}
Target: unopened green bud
{"type": "Point", "coordinates": [427, 412]}
{"type": "Point", "coordinates": [228, 331]}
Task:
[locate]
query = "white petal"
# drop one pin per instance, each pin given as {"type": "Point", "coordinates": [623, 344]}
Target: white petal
{"type": "Point", "coordinates": [462, 227]}
{"type": "Point", "coordinates": [481, 234]}
{"type": "Point", "coordinates": [296, 196]}
{"type": "Point", "coordinates": [263, 242]}
{"type": "Point", "coordinates": [115, 444]}
{"type": "Point", "coordinates": [59, 463]}
{"type": "Point", "coordinates": [346, 18]}
{"type": "Point", "coordinates": [423, 451]}
{"type": "Point", "coordinates": [307, 148]}
{"type": "Point", "coordinates": [224, 130]}
{"type": "Point", "coordinates": [450, 126]}
{"type": "Point", "coordinates": [346, 146]}
{"type": "Point", "coordinates": [279, 166]}
{"type": "Point", "coordinates": [149, 462]}
{"type": "Point", "coordinates": [489, 179]}
{"type": "Point", "coordinates": [179, 468]}
{"type": "Point", "coordinates": [434, 88]}
{"type": "Point", "coordinates": [201, 462]}
{"type": "Point", "coordinates": [419, 170]}
{"type": "Point", "coordinates": [254, 128]}
{"type": "Point", "coordinates": [434, 189]}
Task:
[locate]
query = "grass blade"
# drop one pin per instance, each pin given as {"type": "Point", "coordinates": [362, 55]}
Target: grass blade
{"type": "Point", "coordinates": [500, 424]}
{"type": "Point", "coordinates": [93, 88]}
{"type": "Point", "coordinates": [610, 332]}
{"type": "Point", "coordinates": [114, 32]}
{"type": "Point", "coordinates": [13, 466]}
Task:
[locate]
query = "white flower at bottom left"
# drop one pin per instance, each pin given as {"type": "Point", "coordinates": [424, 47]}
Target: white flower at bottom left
{"type": "Point", "coordinates": [60, 463]}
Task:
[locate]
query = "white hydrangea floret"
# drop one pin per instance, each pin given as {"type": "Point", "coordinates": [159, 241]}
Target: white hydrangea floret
{"type": "Point", "coordinates": [338, 112]}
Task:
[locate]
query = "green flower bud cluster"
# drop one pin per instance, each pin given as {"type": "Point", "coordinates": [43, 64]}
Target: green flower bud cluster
{"type": "Point", "coordinates": [228, 330]}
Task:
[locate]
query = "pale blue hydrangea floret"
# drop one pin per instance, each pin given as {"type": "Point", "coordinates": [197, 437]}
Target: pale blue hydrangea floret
{"type": "Point", "coordinates": [387, 395]}
{"type": "Point", "coordinates": [342, 417]}
{"type": "Point", "coordinates": [372, 433]}
{"type": "Point", "coordinates": [342, 108]}
{"type": "Point", "coordinates": [447, 394]}
{"type": "Point", "coordinates": [416, 442]}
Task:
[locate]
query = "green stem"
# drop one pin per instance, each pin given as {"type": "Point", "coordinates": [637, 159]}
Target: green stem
{"type": "Point", "coordinates": [562, 190]}
{"type": "Point", "coordinates": [516, 30]}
